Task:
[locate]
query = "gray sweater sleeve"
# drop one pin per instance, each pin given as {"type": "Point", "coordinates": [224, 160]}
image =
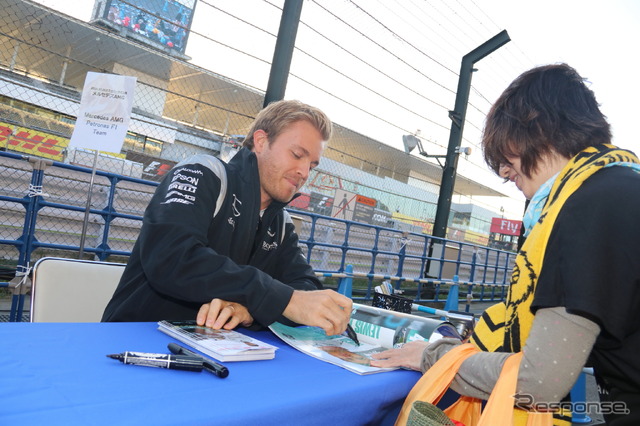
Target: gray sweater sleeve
{"type": "Point", "coordinates": [555, 352]}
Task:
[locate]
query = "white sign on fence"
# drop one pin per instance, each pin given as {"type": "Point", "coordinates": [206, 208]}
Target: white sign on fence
{"type": "Point", "coordinates": [105, 110]}
{"type": "Point", "coordinates": [344, 204]}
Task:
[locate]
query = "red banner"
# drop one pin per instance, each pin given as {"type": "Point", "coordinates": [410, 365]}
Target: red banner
{"type": "Point", "coordinates": [505, 226]}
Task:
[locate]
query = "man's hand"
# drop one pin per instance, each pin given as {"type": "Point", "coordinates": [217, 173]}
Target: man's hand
{"type": "Point", "coordinates": [408, 356]}
{"type": "Point", "coordinates": [222, 314]}
{"type": "Point", "coordinates": [326, 309]}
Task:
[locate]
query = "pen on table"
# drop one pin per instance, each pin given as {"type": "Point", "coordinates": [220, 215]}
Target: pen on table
{"type": "Point", "coordinates": [173, 362]}
{"type": "Point", "coordinates": [352, 334]}
{"type": "Point", "coordinates": [209, 365]}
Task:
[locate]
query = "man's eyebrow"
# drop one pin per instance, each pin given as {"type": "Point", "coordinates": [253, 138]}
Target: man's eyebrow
{"type": "Point", "coordinates": [307, 153]}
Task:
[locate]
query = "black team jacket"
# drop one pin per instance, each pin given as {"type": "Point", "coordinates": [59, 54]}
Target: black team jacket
{"type": "Point", "coordinates": [202, 238]}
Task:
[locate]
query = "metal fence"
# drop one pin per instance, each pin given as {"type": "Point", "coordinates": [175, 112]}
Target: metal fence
{"type": "Point", "coordinates": [49, 208]}
{"type": "Point", "coordinates": [181, 109]}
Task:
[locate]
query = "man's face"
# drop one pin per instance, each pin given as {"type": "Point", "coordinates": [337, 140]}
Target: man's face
{"type": "Point", "coordinates": [284, 164]}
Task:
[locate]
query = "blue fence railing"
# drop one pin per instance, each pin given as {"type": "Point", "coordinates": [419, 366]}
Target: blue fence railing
{"type": "Point", "coordinates": [46, 210]}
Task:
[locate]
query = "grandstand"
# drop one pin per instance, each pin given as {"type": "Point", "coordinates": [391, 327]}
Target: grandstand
{"type": "Point", "coordinates": [181, 109]}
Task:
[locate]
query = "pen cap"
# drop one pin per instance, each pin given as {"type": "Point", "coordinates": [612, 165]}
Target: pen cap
{"type": "Point", "coordinates": [189, 363]}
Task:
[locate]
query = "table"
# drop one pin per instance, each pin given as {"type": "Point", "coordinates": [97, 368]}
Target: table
{"type": "Point", "coordinates": [57, 373]}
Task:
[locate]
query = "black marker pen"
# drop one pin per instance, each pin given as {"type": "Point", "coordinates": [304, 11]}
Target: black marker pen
{"type": "Point", "coordinates": [209, 365]}
{"type": "Point", "coordinates": [352, 334]}
{"type": "Point", "coordinates": [174, 362]}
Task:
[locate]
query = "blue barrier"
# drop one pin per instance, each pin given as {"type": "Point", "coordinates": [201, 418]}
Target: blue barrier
{"type": "Point", "coordinates": [578, 399]}
{"type": "Point", "coordinates": [346, 283]}
{"type": "Point", "coordinates": [452, 299]}
{"type": "Point", "coordinates": [374, 253]}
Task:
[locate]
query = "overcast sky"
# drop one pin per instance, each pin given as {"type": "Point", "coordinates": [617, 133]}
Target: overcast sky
{"type": "Point", "coordinates": [600, 39]}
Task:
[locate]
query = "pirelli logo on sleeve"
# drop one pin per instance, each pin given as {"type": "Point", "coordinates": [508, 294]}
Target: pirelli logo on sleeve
{"type": "Point", "coordinates": [183, 186]}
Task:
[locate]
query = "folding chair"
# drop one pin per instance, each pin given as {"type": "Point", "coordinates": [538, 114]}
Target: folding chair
{"type": "Point", "coordinates": [71, 290]}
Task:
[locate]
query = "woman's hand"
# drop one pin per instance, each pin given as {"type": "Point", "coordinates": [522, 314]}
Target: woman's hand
{"type": "Point", "coordinates": [222, 314]}
{"type": "Point", "coordinates": [408, 356]}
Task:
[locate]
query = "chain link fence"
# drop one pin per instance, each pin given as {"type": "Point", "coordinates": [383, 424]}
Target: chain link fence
{"type": "Point", "coordinates": [179, 110]}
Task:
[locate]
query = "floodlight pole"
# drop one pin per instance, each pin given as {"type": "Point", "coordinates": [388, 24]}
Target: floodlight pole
{"type": "Point", "coordinates": [283, 51]}
{"type": "Point", "coordinates": [457, 124]}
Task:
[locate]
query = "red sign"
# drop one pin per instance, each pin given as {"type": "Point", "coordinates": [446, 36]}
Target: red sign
{"type": "Point", "coordinates": [366, 200]}
{"type": "Point", "coordinates": [505, 226]}
{"type": "Point", "coordinates": [301, 202]}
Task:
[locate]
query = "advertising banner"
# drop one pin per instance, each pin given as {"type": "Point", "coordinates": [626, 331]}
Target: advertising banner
{"type": "Point", "coordinates": [153, 168]}
{"type": "Point", "coordinates": [320, 203]}
{"type": "Point", "coordinates": [364, 209]}
{"type": "Point", "coordinates": [505, 226]}
{"type": "Point", "coordinates": [33, 142]}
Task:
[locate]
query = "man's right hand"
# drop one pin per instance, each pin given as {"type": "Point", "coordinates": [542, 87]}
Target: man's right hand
{"type": "Point", "coordinates": [326, 309]}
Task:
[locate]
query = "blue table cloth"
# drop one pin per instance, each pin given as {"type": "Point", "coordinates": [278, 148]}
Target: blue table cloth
{"type": "Point", "coordinates": [58, 373]}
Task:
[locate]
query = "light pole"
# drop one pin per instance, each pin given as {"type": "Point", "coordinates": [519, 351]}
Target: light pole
{"type": "Point", "coordinates": [457, 124]}
{"type": "Point", "coordinates": [283, 52]}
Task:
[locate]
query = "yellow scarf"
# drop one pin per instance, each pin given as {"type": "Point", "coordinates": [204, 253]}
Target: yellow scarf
{"type": "Point", "coordinates": [504, 327]}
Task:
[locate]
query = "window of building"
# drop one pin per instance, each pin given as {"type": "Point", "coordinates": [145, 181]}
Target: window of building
{"type": "Point", "coordinates": [139, 143]}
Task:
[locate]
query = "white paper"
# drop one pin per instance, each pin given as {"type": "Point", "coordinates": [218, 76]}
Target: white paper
{"type": "Point", "coordinates": [105, 111]}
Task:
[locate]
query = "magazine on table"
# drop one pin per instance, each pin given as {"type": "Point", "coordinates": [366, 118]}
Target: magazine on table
{"type": "Point", "coordinates": [377, 330]}
{"type": "Point", "coordinates": [223, 345]}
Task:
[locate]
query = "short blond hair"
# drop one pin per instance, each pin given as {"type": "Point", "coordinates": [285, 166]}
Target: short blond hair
{"type": "Point", "coordinates": [277, 116]}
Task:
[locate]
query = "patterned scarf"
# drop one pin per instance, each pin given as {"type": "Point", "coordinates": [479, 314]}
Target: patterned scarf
{"type": "Point", "coordinates": [504, 327]}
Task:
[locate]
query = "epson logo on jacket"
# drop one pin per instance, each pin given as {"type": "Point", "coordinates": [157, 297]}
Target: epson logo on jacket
{"type": "Point", "coordinates": [183, 186]}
